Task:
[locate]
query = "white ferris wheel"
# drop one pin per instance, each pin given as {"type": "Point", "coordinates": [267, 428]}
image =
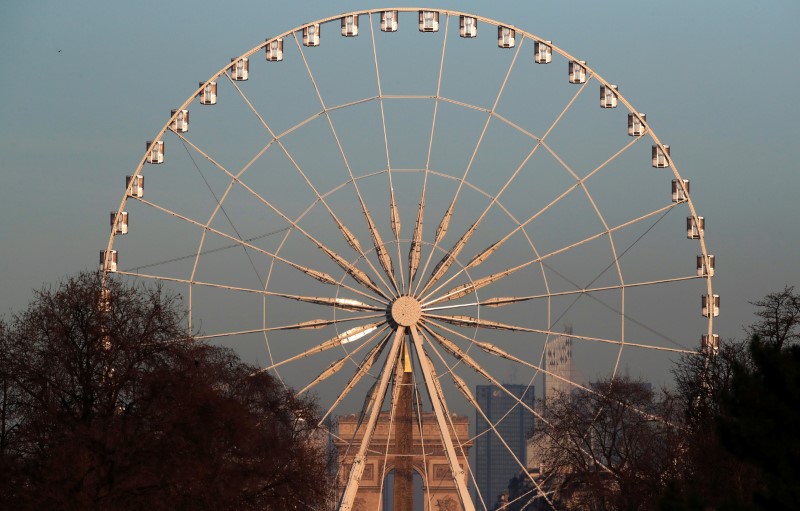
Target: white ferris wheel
{"type": "Point", "coordinates": [418, 199]}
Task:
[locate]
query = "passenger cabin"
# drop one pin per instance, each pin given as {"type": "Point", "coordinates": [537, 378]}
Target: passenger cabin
{"type": "Point", "coordinates": [208, 93]}
{"type": "Point", "coordinates": [702, 271]}
{"type": "Point", "coordinates": [695, 229]}
{"type": "Point", "coordinates": [608, 96]}
{"type": "Point", "coordinates": [710, 306]}
{"type": "Point", "coordinates": [135, 186]}
{"type": "Point", "coordinates": [240, 71]}
{"type": "Point", "coordinates": [155, 151]}
{"type": "Point", "coordinates": [680, 190]}
{"type": "Point", "coordinates": [506, 37]}
{"type": "Point", "coordinates": [311, 35]}
{"type": "Point", "coordinates": [577, 71]}
{"type": "Point", "coordinates": [119, 223]}
{"type": "Point", "coordinates": [428, 21]}
{"type": "Point", "coordinates": [710, 342]}
{"type": "Point", "coordinates": [180, 121]}
{"type": "Point", "coordinates": [108, 260]}
{"type": "Point", "coordinates": [389, 21]}
{"type": "Point", "coordinates": [468, 26]}
{"type": "Point", "coordinates": [543, 52]}
{"type": "Point", "coordinates": [350, 26]}
{"type": "Point", "coordinates": [274, 50]}
{"type": "Point", "coordinates": [636, 126]}
{"type": "Point", "coordinates": [660, 157]}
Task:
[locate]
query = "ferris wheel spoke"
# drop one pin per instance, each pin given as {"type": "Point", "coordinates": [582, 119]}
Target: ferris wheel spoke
{"type": "Point", "coordinates": [438, 402]}
{"type": "Point", "coordinates": [444, 264]}
{"type": "Point", "coordinates": [363, 368]}
{"type": "Point", "coordinates": [346, 337]}
{"type": "Point", "coordinates": [394, 213]}
{"type": "Point", "coordinates": [494, 350]}
{"type": "Point", "coordinates": [510, 271]}
{"type": "Point", "coordinates": [380, 249]}
{"type": "Point", "coordinates": [372, 409]}
{"type": "Point", "coordinates": [337, 365]}
{"type": "Point", "coordinates": [343, 338]}
{"type": "Point", "coordinates": [466, 321]}
{"type": "Point", "coordinates": [354, 272]}
{"type": "Point", "coordinates": [346, 233]}
{"type": "Point", "coordinates": [508, 300]}
{"type": "Point", "coordinates": [441, 230]}
{"type": "Point", "coordinates": [316, 274]}
{"type": "Point", "coordinates": [415, 250]}
{"type": "Point", "coordinates": [486, 253]}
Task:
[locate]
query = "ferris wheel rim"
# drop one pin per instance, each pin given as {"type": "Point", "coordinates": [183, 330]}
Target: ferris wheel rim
{"type": "Point", "coordinates": [591, 75]}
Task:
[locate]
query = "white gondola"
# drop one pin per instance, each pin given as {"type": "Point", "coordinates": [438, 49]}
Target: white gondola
{"type": "Point", "coordinates": [274, 50]}
{"type": "Point", "coordinates": [695, 229]}
{"type": "Point", "coordinates": [660, 157]}
{"type": "Point", "coordinates": [468, 26]}
{"type": "Point", "coordinates": [702, 271]}
{"type": "Point", "coordinates": [180, 121]}
{"type": "Point", "coordinates": [108, 263]}
{"type": "Point", "coordinates": [428, 21]}
{"type": "Point", "coordinates": [135, 186]}
{"type": "Point", "coordinates": [577, 71]}
{"type": "Point", "coordinates": [240, 71]}
{"type": "Point", "coordinates": [608, 96]}
{"type": "Point", "coordinates": [208, 93]}
{"type": "Point", "coordinates": [680, 193]}
{"type": "Point", "coordinates": [155, 150]}
{"type": "Point", "coordinates": [506, 37]}
{"type": "Point", "coordinates": [350, 26]}
{"type": "Point", "coordinates": [543, 52]}
{"type": "Point", "coordinates": [119, 223]}
{"type": "Point", "coordinates": [389, 21]}
{"type": "Point", "coordinates": [636, 126]}
{"type": "Point", "coordinates": [710, 342]}
{"type": "Point", "coordinates": [710, 306]}
{"type": "Point", "coordinates": [311, 35]}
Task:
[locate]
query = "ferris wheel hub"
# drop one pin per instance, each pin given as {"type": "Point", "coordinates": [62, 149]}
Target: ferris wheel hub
{"type": "Point", "coordinates": [406, 311]}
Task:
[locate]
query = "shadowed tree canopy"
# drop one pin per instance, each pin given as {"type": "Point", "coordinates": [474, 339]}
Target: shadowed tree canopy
{"type": "Point", "coordinates": [107, 404]}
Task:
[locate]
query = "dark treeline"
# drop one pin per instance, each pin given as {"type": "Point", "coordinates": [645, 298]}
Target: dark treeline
{"type": "Point", "coordinates": [726, 437]}
{"type": "Point", "coordinates": [105, 403]}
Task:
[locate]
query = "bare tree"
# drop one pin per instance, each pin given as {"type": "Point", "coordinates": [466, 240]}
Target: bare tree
{"type": "Point", "coordinates": [609, 448]}
{"type": "Point", "coordinates": [115, 407]}
{"type": "Point", "coordinates": [780, 318]}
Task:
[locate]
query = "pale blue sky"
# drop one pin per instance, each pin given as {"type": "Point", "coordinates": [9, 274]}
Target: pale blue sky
{"type": "Point", "coordinates": [85, 83]}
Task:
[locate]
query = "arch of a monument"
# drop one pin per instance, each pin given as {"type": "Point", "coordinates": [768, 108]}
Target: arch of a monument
{"type": "Point", "coordinates": [440, 492]}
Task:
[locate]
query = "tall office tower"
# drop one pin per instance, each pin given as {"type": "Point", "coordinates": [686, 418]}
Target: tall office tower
{"type": "Point", "coordinates": [495, 466]}
{"type": "Point", "coordinates": [560, 371]}
{"type": "Point", "coordinates": [558, 362]}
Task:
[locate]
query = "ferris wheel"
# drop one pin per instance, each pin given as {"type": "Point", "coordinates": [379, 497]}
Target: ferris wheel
{"type": "Point", "coordinates": [389, 207]}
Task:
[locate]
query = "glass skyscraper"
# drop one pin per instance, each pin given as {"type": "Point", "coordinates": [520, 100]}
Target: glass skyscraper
{"type": "Point", "coordinates": [494, 465]}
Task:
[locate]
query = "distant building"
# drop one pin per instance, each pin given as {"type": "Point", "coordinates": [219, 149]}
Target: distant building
{"type": "Point", "coordinates": [495, 466]}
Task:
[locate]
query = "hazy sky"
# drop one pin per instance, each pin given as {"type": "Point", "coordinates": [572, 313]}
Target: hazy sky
{"type": "Point", "coordinates": [85, 83]}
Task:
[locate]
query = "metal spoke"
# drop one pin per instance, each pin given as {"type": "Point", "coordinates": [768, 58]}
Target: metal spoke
{"type": "Point", "coordinates": [444, 264]}
{"type": "Point", "coordinates": [507, 300]}
{"type": "Point", "coordinates": [467, 321]}
{"type": "Point", "coordinates": [363, 369]}
{"type": "Point", "coordinates": [431, 383]}
{"type": "Point", "coordinates": [343, 338]}
{"type": "Point", "coordinates": [375, 403]}
{"type": "Point", "coordinates": [499, 275]}
{"type": "Point", "coordinates": [394, 212]}
{"type": "Point", "coordinates": [346, 233]}
{"type": "Point", "coordinates": [316, 274]}
{"type": "Point", "coordinates": [337, 365]}
{"type": "Point", "coordinates": [383, 255]}
{"type": "Point", "coordinates": [441, 230]}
